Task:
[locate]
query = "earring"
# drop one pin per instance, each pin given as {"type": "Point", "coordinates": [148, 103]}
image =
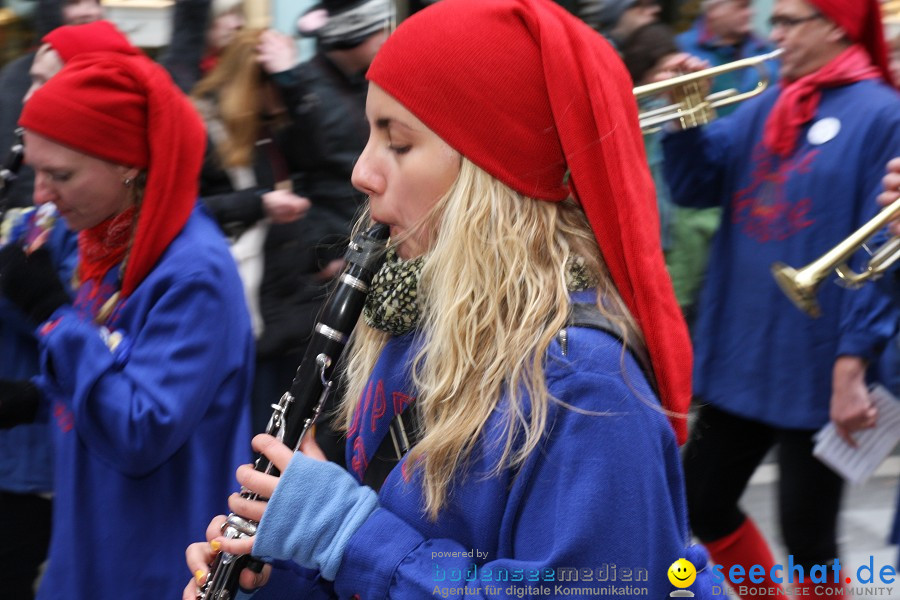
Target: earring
{"type": "Point", "coordinates": [127, 181]}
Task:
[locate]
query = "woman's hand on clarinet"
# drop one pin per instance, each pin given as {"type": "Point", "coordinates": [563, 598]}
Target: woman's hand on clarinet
{"type": "Point", "coordinates": [891, 193]}
{"type": "Point", "coordinates": [260, 484]}
{"type": "Point", "coordinates": [201, 554]}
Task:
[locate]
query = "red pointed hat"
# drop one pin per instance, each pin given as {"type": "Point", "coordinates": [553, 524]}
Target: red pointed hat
{"type": "Point", "coordinates": [99, 36]}
{"type": "Point", "coordinates": [861, 21]}
{"type": "Point", "coordinates": [530, 93]}
{"type": "Point", "coordinates": [125, 109]}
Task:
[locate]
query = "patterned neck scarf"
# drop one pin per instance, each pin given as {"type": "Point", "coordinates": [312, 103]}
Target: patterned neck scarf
{"type": "Point", "coordinates": [392, 305]}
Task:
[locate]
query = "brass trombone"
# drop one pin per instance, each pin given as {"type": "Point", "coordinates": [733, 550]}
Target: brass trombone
{"type": "Point", "coordinates": [801, 285]}
{"type": "Point", "coordinates": [690, 106]}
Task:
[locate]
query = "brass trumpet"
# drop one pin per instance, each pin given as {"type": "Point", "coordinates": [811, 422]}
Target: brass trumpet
{"type": "Point", "coordinates": [801, 285]}
{"type": "Point", "coordinates": [691, 107]}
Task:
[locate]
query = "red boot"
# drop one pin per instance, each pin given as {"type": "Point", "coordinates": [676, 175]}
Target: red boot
{"type": "Point", "coordinates": [746, 547]}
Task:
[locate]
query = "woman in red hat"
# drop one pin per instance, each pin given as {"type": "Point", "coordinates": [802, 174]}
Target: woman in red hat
{"type": "Point", "coordinates": [143, 376]}
{"type": "Point", "coordinates": [523, 332]}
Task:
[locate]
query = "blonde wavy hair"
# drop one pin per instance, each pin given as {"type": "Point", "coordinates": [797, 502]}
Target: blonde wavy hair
{"type": "Point", "coordinates": [233, 92]}
{"type": "Point", "coordinates": [493, 296]}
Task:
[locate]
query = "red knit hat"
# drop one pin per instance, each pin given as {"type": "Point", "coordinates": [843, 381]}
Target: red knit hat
{"type": "Point", "coordinates": [861, 21]}
{"type": "Point", "coordinates": [125, 109]}
{"type": "Point", "coordinates": [99, 36]}
{"type": "Point", "coordinates": [526, 91]}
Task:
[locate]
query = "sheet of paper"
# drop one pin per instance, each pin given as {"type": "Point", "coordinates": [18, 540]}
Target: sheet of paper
{"type": "Point", "coordinates": [856, 465]}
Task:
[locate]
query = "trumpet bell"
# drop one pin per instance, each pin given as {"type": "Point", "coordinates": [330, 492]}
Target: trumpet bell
{"type": "Point", "coordinates": [800, 285]}
{"type": "Point", "coordinates": [798, 288]}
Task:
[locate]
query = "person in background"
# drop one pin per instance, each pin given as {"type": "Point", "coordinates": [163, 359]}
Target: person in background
{"type": "Point", "coordinates": [325, 102]}
{"type": "Point", "coordinates": [226, 20]}
{"type": "Point", "coordinates": [201, 30]}
{"type": "Point", "coordinates": [722, 33]}
{"type": "Point", "coordinates": [15, 80]}
{"type": "Point", "coordinates": [889, 365]}
{"type": "Point", "coordinates": [26, 450]}
{"type": "Point", "coordinates": [246, 181]}
{"type": "Point", "coordinates": [145, 376]}
{"type": "Point", "coordinates": [795, 170]}
{"type": "Point", "coordinates": [519, 294]}
{"type": "Point", "coordinates": [645, 53]}
{"type": "Point", "coordinates": [617, 20]}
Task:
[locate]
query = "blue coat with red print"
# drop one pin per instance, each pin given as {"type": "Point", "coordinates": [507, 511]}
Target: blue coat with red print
{"type": "Point", "coordinates": [756, 355]}
{"type": "Point", "coordinates": [599, 504]}
{"type": "Point", "coordinates": [150, 417]}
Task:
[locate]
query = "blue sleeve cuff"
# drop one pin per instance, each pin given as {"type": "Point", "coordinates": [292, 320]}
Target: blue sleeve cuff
{"type": "Point", "coordinates": [313, 513]}
{"type": "Point", "coordinates": [864, 345]}
{"type": "Point", "coordinates": [64, 336]}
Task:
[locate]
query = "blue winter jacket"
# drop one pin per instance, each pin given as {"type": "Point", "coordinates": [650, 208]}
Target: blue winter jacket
{"type": "Point", "coordinates": [599, 506]}
{"type": "Point", "coordinates": [26, 451]}
{"type": "Point", "coordinates": [756, 354]}
{"type": "Point", "coordinates": [150, 416]}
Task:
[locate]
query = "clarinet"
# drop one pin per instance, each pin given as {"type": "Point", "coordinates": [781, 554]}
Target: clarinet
{"type": "Point", "coordinates": [299, 407]}
{"type": "Point", "coordinates": [10, 169]}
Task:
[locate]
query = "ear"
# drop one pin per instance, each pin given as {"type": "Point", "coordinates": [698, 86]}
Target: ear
{"type": "Point", "coordinates": [835, 34]}
{"type": "Point", "coordinates": [128, 172]}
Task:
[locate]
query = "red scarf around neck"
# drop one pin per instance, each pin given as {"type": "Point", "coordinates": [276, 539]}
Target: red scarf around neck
{"type": "Point", "coordinates": [103, 246]}
{"type": "Point", "coordinates": [799, 99]}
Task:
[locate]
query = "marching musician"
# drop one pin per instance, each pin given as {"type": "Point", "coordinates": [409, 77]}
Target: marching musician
{"type": "Point", "coordinates": [26, 451]}
{"type": "Point", "coordinates": [506, 157]}
{"type": "Point", "coordinates": [15, 78]}
{"type": "Point", "coordinates": [795, 170]}
{"type": "Point", "coordinates": [891, 191]}
{"type": "Point", "coordinates": [145, 375]}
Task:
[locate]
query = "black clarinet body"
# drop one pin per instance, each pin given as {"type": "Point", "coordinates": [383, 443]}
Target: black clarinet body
{"type": "Point", "coordinates": [299, 407]}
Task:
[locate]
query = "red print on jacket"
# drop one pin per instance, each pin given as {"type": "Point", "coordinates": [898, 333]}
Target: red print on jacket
{"type": "Point", "coordinates": [762, 209]}
{"type": "Point", "coordinates": [374, 410]}
{"type": "Point", "coordinates": [65, 420]}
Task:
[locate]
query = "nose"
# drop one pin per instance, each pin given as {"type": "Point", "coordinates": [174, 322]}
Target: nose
{"type": "Point", "coordinates": [777, 34]}
{"type": "Point", "coordinates": [366, 176]}
{"type": "Point", "coordinates": [43, 190]}
{"type": "Point", "coordinates": [34, 87]}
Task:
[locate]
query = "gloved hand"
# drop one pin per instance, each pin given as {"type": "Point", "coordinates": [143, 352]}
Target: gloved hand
{"type": "Point", "coordinates": [19, 402]}
{"type": "Point", "coordinates": [315, 510]}
{"type": "Point", "coordinates": [31, 283]}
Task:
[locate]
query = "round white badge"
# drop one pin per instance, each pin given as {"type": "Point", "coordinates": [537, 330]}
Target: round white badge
{"type": "Point", "coordinates": [823, 130]}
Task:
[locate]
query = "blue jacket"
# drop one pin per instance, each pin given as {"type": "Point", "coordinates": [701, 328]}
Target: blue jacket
{"type": "Point", "coordinates": [756, 355]}
{"type": "Point", "coordinates": [598, 505]}
{"type": "Point", "coordinates": [26, 455]}
{"type": "Point", "coordinates": [151, 418]}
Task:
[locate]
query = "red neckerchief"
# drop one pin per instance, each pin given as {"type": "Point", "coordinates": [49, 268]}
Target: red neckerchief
{"type": "Point", "coordinates": [799, 99]}
{"type": "Point", "coordinates": [103, 246]}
